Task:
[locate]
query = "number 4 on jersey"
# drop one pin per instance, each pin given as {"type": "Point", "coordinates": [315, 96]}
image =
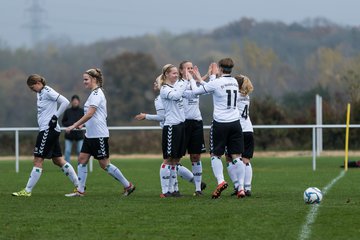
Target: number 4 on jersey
{"type": "Point", "coordinates": [245, 113]}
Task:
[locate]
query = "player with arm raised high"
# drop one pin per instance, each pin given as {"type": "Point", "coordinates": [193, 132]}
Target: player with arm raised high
{"type": "Point", "coordinates": [173, 136]}
{"type": "Point", "coordinates": [168, 186]}
{"type": "Point", "coordinates": [226, 130]}
{"type": "Point", "coordinates": [194, 134]}
{"type": "Point", "coordinates": [47, 143]}
{"type": "Point", "coordinates": [97, 135]}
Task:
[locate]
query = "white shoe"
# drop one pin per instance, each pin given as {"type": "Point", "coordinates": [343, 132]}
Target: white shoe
{"type": "Point", "coordinates": [76, 193]}
{"type": "Point", "coordinates": [129, 190]}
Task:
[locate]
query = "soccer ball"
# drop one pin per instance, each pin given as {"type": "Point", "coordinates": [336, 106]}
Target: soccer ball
{"type": "Point", "coordinates": [312, 195]}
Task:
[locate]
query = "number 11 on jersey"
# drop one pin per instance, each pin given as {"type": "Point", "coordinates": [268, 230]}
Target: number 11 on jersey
{"type": "Point", "coordinates": [231, 95]}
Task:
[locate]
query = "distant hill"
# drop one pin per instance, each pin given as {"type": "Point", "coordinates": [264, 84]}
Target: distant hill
{"type": "Point", "coordinates": [279, 58]}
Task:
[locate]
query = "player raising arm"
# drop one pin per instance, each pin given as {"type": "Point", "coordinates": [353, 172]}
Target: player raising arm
{"type": "Point", "coordinates": [225, 129]}
{"type": "Point", "coordinates": [173, 135]}
{"type": "Point", "coordinates": [160, 117]}
{"type": "Point", "coordinates": [194, 133]}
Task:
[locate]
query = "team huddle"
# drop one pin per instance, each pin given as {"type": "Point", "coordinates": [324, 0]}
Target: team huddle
{"type": "Point", "coordinates": [177, 110]}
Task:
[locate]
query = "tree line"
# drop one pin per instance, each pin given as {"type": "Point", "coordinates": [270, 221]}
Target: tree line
{"type": "Point", "coordinates": [288, 64]}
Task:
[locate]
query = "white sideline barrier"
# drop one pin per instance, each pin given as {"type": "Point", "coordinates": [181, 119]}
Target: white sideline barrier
{"type": "Point", "coordinates": [16, 130]}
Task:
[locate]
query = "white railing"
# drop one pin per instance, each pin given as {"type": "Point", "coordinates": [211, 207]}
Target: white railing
{"type": "Point", "coordinates": [137, 128]}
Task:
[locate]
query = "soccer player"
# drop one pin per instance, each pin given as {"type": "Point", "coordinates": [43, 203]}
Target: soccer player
{"type": "Point", "coordinates": [173, 135]}
{"type": "Point", "coordinates": [245, 88]}
{"type": "Point", "coordinates": [160, 117]}
{"type": "Point", "coordinates": [194, 135]}
{"type": "Point", "coordinates": [47, 143]}
{"type": "Point", "coordinates": [96, 136]}
{"type": "Point", "coordinates": [225, 129]}
{"type": "Point", "coordinates": [181, 170]}
{"type": "Point", "coordinates": [71, 115]}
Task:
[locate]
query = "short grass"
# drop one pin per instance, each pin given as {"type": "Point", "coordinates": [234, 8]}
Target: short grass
{"type": "Point", "coordinates": [275, 211]}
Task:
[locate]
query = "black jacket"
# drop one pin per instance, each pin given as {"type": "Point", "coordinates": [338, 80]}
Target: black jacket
{"type": "Point", "coordinates": [71, 115]}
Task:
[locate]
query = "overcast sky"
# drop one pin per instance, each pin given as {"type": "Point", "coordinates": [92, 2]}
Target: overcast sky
{"type": "Point", "coordinates": [86, 21]}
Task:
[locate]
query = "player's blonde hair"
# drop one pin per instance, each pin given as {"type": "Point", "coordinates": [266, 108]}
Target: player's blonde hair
{"type": "Point", "coordinates": [167, 68]}
{"type": "Point", "coordinates": [35, 78]}
{"type": "Point", "coordinates": [245, 85]}
{"type": "Point", "coordinates": [158, 82]}
{"type": "Point", "coordinates": [97, 74]}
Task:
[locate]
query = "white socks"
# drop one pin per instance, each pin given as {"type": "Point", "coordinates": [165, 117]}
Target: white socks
{"type": "Point", "coordinates": [33, 179]}
{"type": "Point", "coordinates": [117, 174]}
{"type": "Point", "coordinates": [165, 177]}
{"type": "Point", "coordinates": [197, 172]}
{"type": "Point", "coordinates": [36, 174]}
{"type": "Point", "coordinates": [217, 168]}
{"type": "Point", "coordinates": [173, 180]}
{"type": "Point", "coordinates": [185, 173]}
{"type": "Point", "coordinates": [231, 168]}
{"type": "Point", "coordinates": [240, 172]}
{"type": "Point", "coordinates": [82, 175]}
{"type": "Point", "coordinates": [70, 172]}
{"type": "Point", "coordinates": [248, 176]}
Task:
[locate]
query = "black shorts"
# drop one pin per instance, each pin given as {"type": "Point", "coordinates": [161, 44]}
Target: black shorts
{"type": "Point", "coordinates": [227, 135]}
{"type": "Point", "coordinates": [248, 145]}
{"type": "Point", "coordinates": [194, 136]}
{"type": "Point", "coordinates": [96, 147]}
{"type": "Point", "coordinates": [47, 144]}
{"type": "Point", "coordinates": [173, 141]}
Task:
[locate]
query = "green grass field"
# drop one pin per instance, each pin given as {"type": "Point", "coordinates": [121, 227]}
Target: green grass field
{"type": "Point", "coordinates": [275, 211]}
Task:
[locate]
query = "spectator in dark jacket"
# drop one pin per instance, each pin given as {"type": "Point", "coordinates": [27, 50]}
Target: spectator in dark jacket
{"type": "Point", "coordinates": [72, 115]}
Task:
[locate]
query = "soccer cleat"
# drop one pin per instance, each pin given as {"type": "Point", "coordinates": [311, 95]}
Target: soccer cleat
{"type": "Point", "coordinates": [241, 194]}
{"type": "Point", "coordinates": [202, 186]}
{"type": "Point", "coordinates": [165, 195]}
{"type": "Point", "coordinates": [248, 193]}
{"type": "Point", "coordinates": [129, 190]}
{"type": "Point", "coordinates": [176, 194]}
{"type": "Point", "coordinates": [221, 187]}
{"type": "Point", "coordinates": [75, 193]}
{"type": "Point", "coordinates": [198, 194]}
{"type": "Point", "coordinates": [22, 193]}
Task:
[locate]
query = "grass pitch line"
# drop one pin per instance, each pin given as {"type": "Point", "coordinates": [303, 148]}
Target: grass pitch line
{"type": "Point", "coordinates": [310, 218]}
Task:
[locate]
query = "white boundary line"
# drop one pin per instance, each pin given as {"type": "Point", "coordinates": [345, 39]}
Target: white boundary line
{"type": "Point", "coordinates": [310, 218]}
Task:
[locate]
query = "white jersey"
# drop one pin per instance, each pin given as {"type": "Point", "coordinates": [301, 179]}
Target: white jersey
{"type": "Point", "coordinates": [160, 112]}
{"type": "Point", "coordinates": [171, 97]}
{"type": "Point", "coordinates": [191, 107]}
{"type": "Point", "coordinates": [47, 106]}
{"type": "Point", "coordinates": [96, 126]}
{"type": "Point", "coordinates": [225, 92]}
{"type": "Point", "coordinates": [244, 109]}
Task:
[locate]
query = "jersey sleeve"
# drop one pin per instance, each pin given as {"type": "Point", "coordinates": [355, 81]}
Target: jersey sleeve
{"type": "Point", "coordinates": [64, 103]}
{"type": "Point", "coordinates": [188, 94]}
{"type": "Point", "coordinates": [51, 94]}
{"type": "Point", "coordinates": [160, 112]}
{"type": "Point", "coordinates": [204, 88]}
{"type": "Point", "coordinates": [155, 117]}
{"type": "Point", "coordinates": [173, 93]}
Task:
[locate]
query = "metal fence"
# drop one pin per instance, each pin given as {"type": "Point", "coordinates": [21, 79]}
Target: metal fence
{"type": "Point", "coordinates": [16, 131]}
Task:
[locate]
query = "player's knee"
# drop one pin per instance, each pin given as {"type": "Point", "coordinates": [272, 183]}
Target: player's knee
{"type": "Point", "coordinates": [195, 157]}
{"type": "Point", "coordinates": [245, 160]}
